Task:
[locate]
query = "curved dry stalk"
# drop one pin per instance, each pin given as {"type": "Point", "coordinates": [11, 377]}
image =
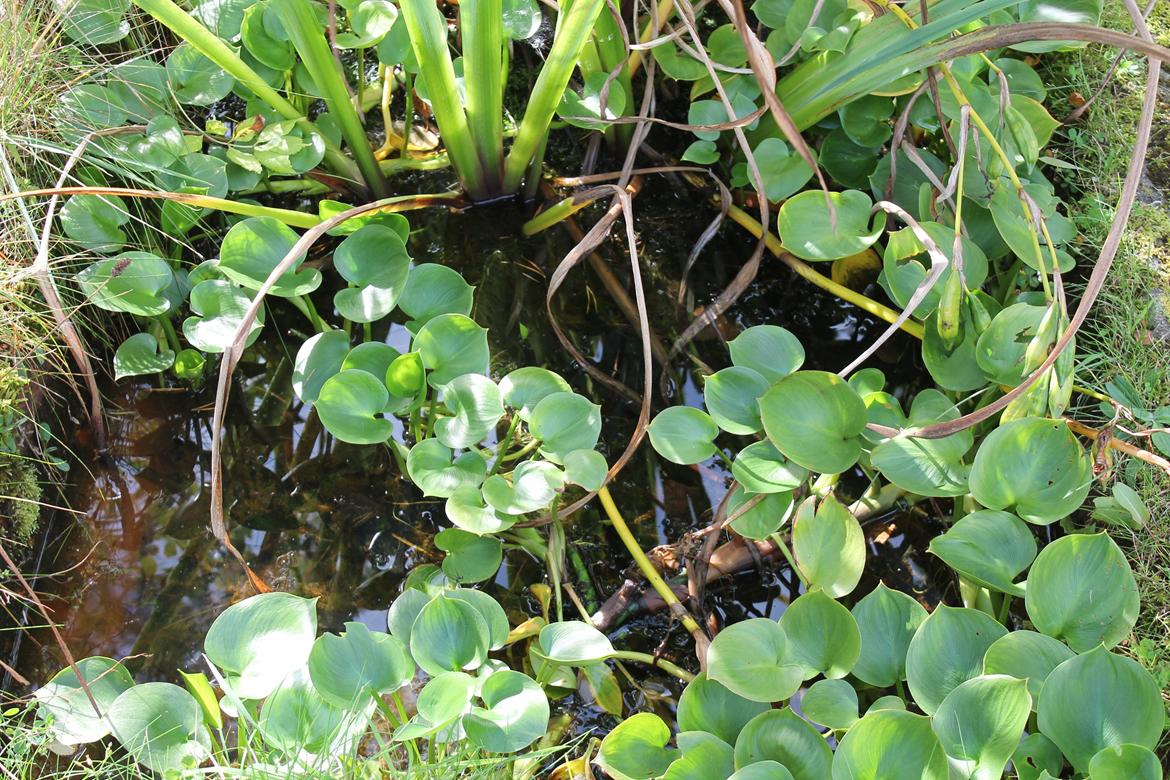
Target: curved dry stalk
{"type": "Point", "coordinates": [233, 353]}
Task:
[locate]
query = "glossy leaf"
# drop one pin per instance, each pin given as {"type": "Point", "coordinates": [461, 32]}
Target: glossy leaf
{"type": "Point", "coordinates": [217, 310]}
{"type": "Point", "coordinates": [707, 705]}
{"type": "Point", "coordinates": [449, 635]}
{"type": "Point", "coordinates": [95, 222]}
{"type": "Point", "coordinates": [887, 620]}
{"type": "Point", "coordinates": [989, 548]}
{"type": "Point", "coordinates": [252, 249]}
{"type": "Point", "coordinates": [1026, 655]}
{"type": "Point", "coordinates": [1125, 762]}
{"type": "Point", "coordinates": [564, 423]}
{"type": "Point", "coordinates": [829, 547]}
{"type": "Point", "coordinates": [534, 485]}
{"type": "Point", "coordinates": [160, 725]}
{"type": "Point", "coordinates": [637, 749]}
{"type": "Point", "coordinates": [470, 557]}
{"type": "Point", "coordinates": [731, 397]}
{"type": "Point", "coordinates": [831, 703]}
{"type": "Point", "coordinates": [515, 714]}
{"type": "Point", "coordinates": [750, 660]}
{"type": "Point", "coordinates": [63, 698]}
{"type": "Point", "coordinates": [260, 640]}
{"type": "Point", "coordinates": [475, 401]}
{"type": "Point", "coordinates": [980, 723]}
{"type": "Point", "coordinates": [525, 387]}
{"type": "Point", "coordinates": [701, 755]}
{"type": "Point", "coordinates": [140, 355]}
{"type": "Point", "coordinates": [574, 643]}
{"type": "Point", "coordinates": [296, 717]}
{"type": "Point", "coordinates": [890, 745]}
{"type": "Point", "coordinates": [430, 466]}
{"type": "Point", "coordinates": [769, 350]}
{"type": "Point", "coordinates": [194, 79]}
{"type": "Point", "coordinates": [928, 467]}
{"type": "Point", "coordinates": [946, 651]}
{"type": "Point", "coordinates": [823, 637]}
{"type": "Point", "coordinates": [761, 468]}
{"type": "Point", "coordinates": [683, 434]}
{"type": "Point", "coordinates": [452, 345]}
{"type": "Point", "coordinates": [432, 290]}
{"type": "Point", "coordinates": [349, 668]}
{"type": "Point", "coordinates": [349, 404]}
{"type": "Point", "coordinates": [816, 420]}
{"type": "Point", "coordinates": [318, 359]}
{"type": "Point", "coordinates": [133, 282]}
{"type": "Point", "coordinates": [756, 516]}
{"type": "Point", "coordinates": [786, 738]}
{"type": "Point", "coordinates": [807, 229]}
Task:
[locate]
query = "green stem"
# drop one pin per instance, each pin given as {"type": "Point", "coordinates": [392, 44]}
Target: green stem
{"type": "Point", "coordinates": [644, 564]}
{"type": "Point", "coordinates": [481, 22]}
{"type": "Point", "coordinates": [782, 546]}
{"type": "Point", "coordinates": [653, 660]}
{"type": "Point", "coordinates": [505, 443]}
{"type": "Point", "coordinates": [520, 453]}
{"type": "Point", "coordinates": [305, 305]}
{"type": "Point", "coordinates": [209, 45]}
{"type": "Point", "coordinates": [305, 33]}
{"type": "Point", "coordinates": [572, 32]}
{"type": "Point", "coordinates": [408, 119]}
{"type": "Point", "coordinates": [169, 329]}
{"type": "Point", "coordinates": [555, 214]}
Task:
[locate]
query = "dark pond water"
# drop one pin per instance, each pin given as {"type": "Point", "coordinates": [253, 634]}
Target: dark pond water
{"type": "Point", "coordinates": [143, 577]}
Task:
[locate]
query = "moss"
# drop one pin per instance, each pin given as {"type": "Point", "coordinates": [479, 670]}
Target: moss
{"type": "Point", "coordinates": [1128, 333]}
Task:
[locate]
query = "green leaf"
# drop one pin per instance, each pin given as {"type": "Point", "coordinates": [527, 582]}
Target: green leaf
{"type": "Point", "coordinates": [637, 749]}
{"type": "Point", "coordinates": [786, 738]}
{"type": "Point", "coordinates": [160, 725]}
{"type": "Point", "coordinates": [375, 260]}
{"type": "Point", "coordinates": [700, 152]}
{"type": "Point", "coordinates": [467, 509]}
{"type": "Point", "coordinates": [373, 357]}
{"type": "Point", "coordinates": [887, 620]}
{"type": "Point", "coordinates": [140, 355]}
{"type": "Point", "coordinates": [430, 466]}
{"type": "Point", "coordinates": [1062, 12]}
{"type": "Point", "coordinates": [823, 637]}
{"type": "Point", "coordinates": [928, 467]}
{"type": "Point", "coordinates": [470, 557]}
{"type": "Point", "coordinates": [760, 468]}
{"type": "Point", "coordinates": [296, 717]}
{"type": "Point", "coordinates": [489, 609]}
{"type": "Point", "coordinates": [1026, 655]}
{"type": "Point", "coordinates": [764, 517]}
{"type": "Point", "coordinates": [905, 264]}
{"type": "Point", "coordinates": [251, 250]}
{"type": "Point", "coordinates": [947, 650]}
{"type": "Point", "coordinates": [731, 397]}
{"type": "Point", "coordinates": [564, 423]}
{"type": "Point", "coordinates": [769, 350]}
{"type": "Point", "coordinates": [750, 660]}
{"type": "Point", "coordinates": [701, 755]}
{"type": "Point", "coordinates": [189, 364]}
{"type": "Point", "coordinates": [95, 222]}
{"type": "Point", "coordinates": [265, 38]}
{"type": "Point", "coordinates": [432, 290]}
{"type": "Point", "coordinates": [74, 720]}
{"type": "Point", "coordinates": [829, 547]}
{"type": "Point", "coordinates": [1099, 700]}
{"type": "Point", "coordinates": [831, 703]}
{"type": "Point", "coordinates": [260, 640]}
{"type": "Point", "coordinates": [133, 282]}
{"type": "Point", "coordinates": [404, 610]}
{"type": "Point", "coordinates": [763, 770]}
{"type": "Point", "coordinates": [91, 107]}
{"type": "Point", "coordinates": [328, 209]}
{"type": "Point", "coordinates": [584, 109]}
{"type": "Point", "coordinates": [807, 230]}
{"type": "Point", "coordinates": [574, 643]}
{"type": "Point", "coordinates": [452, 345]}
{"type": "Point", "coordinates": [449, 635]}
{"type": "Point", "coordinates": [515, 714]}
{"type": "Point", "coordinates": [200, 688]}
{"type": "Point", "coordinates": [217, 310]}
{"type": "Point", "coordinates": [867, 120]}
{"type": "Point", "coordinates": [522, 19]}
{"type": "Point", "coordinates": [349, 404]}
{"type": "Point", "coordinates": [534, 485]}
{"type": "Point", "coordinates": [707, 705]}
{"type": "Point", "coordinates": [349, 668]}
{"type": "Point", "coordinates": [525, 387]}
{"type": "Point", "coordinates": [1001, 348]}
{"type": "Point", "coordinates": [816, 419]}
{"type": "Point", "coordinates": [890, 745]}
{"type": "Point", "coordinates": [475, 401]}
{"type": "Point", "coordinates": [683, 434]}
{"type": "Point", "coordinates": [586, 468]}
{"type": "Point", "coordinates": [1037, 757]}
{"type": "Point", "coordinates": [370, 21]}
{"type": "Point", "coordinates": [783, 172]}
{"type": "Point", "coordinates": [1082, 591]}
{"type": "Point", "coordinates": [194, 79]}
{"type": "Point", "coordinates": [445, 697]}
{"type": "Point", "coordinates": [1034, 467]}
{"type": "Point", "coordinates": [94, 22]}
{"type": "Point", "coordinates": [319, 358]}
{"type": "Point", "coordinates": [980, 723]}
{"type": "Point", "coordinates": [1125, 762]}
{"type": "Point", "coordinates": [989, 548]}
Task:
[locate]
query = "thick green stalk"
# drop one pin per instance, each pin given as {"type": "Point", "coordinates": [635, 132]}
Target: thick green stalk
{"type": "Point", "coordinates": [612, 50]}
{"type": "Point", "coordinates": [481, 23]}
{"type": "Point", "coordinates": [573, 30]}
{"type": "Point", "coordinates": [428, 38]}
{"type": "Point", "coordinates": [209, 45]}
{"type": "Point", "coordinates": [305, 33]}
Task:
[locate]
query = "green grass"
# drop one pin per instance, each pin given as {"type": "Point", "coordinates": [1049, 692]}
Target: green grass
{"type": "Point", "coordinates": [1128, 332]}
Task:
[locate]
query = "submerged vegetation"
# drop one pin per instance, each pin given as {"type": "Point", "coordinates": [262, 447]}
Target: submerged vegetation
{"type": "Point", "coordinates": [250, 185]}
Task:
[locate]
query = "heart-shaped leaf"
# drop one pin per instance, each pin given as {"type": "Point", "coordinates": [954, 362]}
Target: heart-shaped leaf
{"type": "Point", "coordinates": [750, 660]}
{"type": "Point", "coordinates": [786, 738]}
{"type": "Point", "coordinates": [887, 620]}
{"type": "Point", "coordinates": [989, 548]}
{"type": "Point", "coordinates": [375, 260]}
{"type": "Point", "coordinates": [467, 509]}
{"type": "Point", "coordinates": [760, 468]}
{"type": "Point", "coordinates": [161, 726]}
{"type": "Point", "coordinates": [525, 387]}
{"type": "Point", "coordinates": [832, 703]}
{"type": "Point", "coordinates": [475, 401]}
{"type": "Point", "coordinates": [890, 745]}
{"type": "Point", "coordinates": [707, 705]}
{"type": "Point", "coordinates": [564, 423]}
{"type": "Point", "coordinates": [430, 466]}
{"type": "Point", "coordinates": [318, 359]}
{"type": "Point", "coordinates": [823, 637]}
{"type": "Point", "coordinates": [95, 222]}
{"type": "Point", "coordinates": [432, 290]}
{"type": "Point", "coordinates": [140, 355]}
{"type": "Point", "coordinates": [470, 557]}
{"type": "Point", "coordinates": [515, 713]}
{"type": "Point", "coordinates": [74, 721]}
{"type": "Point", "coordinates": [947, 650]}
{"type": "Point", "coordinates": [701, 755]}
{"type": "Point", "coordinates": [731, 397]}
{"type": "Point", "coordinates": [534, 485]}
{"type": "Point", "coordinates": [260, 640]}
{"type": "Point", "coordinates": [449, 635]}
{"type": "Point", "coordinates": [217, 310]}
{"type": "Point", "coordinates": [574, 643]}
{"type": "Point", "coordinates": [829, 547]}
{"type": "Point", "coordinates": [349, 404]}
{"type": "Point", "coordinates": [769, 350]}
{"type": "Point", "coordinates": [929, 467]}
{"type": "Point", "coordinates": [133, 282]}
{"type": "Point", "coordinates": [683, 434]}
{"type": "Point", "coordinates": [816, 419]}
{"type": "Point", "coordinates": [452, 345]}
{"type": "Point", "coordinates": [350, 667]}
{"type": "Point", "coordinates": [296, 717]}
{"type": "Point", "coordinates": [763, 517]}
{"type": "Point", "coordinates": [1026, 655]}
{"type": "Point", "coordinates": [253, 247]}
{"type": "Point", "coordinates": [194, 79]}
{"type": "Point", "coordinates": [980, 723]}
{"type": "Point", "coordinates": [637, 749]}
{"type": "Point", "coordinates": [1125, 762]}
{"type": "Point", "coordinates": [808, 230]}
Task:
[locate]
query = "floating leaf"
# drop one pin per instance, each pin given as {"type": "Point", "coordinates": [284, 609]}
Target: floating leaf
{"type": "Point", "coordinates": [769, 350]}
{"type": "Point", "coordinates": [731, 397]}
{"type": "Point", "coordinates": [750, 660]}
{"type": "Point", "coordinates": [534, 485]}
{"type": "Point", "coordinates": [587, 468]}
{"type": "Point", "coordinates": [786, 738]}
{"type": "Point", "coordinates": [133, 282]}
{"type": "Point", "coordinates": [683, 434]}
{"type": "Point", "coordinates": [887, 620]}
{"type": "Point", "coordinates": [760, 468]}
{"type": "Point", "coordinates": [349, 404]}
{"type": "Point", "coordinates": [701, 755]}
{"type": "Point", "coordinates": [564, 423]}
{"type": "Point", "coordinates": [489, 609]}
{"type": "Point", "coordinates": [946, 651]}
{"type": "Point", "coordinates": [95, 222]}
{"type": "Point", "coordinates": [989, 548]}
{"type": "Point", "coordinates": [525, 387]}
{"type": "Point", "coordinates": [467, 509]}
{"type": "Point", "coordinates": [260, 640]}
{"type": "Point", "coordinates": [470, 557]}
{"type": "Point", "coordinates": [74, 720]}
{"type": "Point", "coordinates": [194, 79]}
{"type": "Point", "coordinates": [161, 726]}
{"type": "Point", "coordinates": [574, 643]}
{"type": "Point", "coordinates": [295, 717]}
{"type": "Point", "coordinates": [140, 355]}
{"type": "Point", "coordinates": [707, 705]}
{"type": "Point", "coordinates": [1082, 591]}
{"type": "Point", "coordinates": [980, 723]}
{"type": "Point", "coordinates": [430, 466]}
{"type": "Point", "coordinates": [763, 770]}
{"type": "Point", "coordinates": [252, 249]}
{"type": "Point", "coordinates": [1125, 762]}
{"type": "Point", "coordinates": [475, 401]}
{"type": "Point", "coordinates": [375, 260]}
{"type": "Point", "coordinates": [449, 635]}
{"type": "Point", "coordinates": [515, 714]}
{"type": "Point", "coordinates": [318, 359]}
{"type": "Point", "coordinates": [452, 345]}
{"type": "Point", "coordinates": [783, 171]}
{"type": "Point", "coordinates": [432, 290]}
{"type": "Point", "coordinates": [823, 637]}
{"type": "Point", "coordinates": [831, 703]}
{"type": "Point", "coordinates": [890, 745]}
{"type": "Point", "coordinates": [94, 22]}
{"type": "Point", "coordinates": [763, 518]}
{"type": "Point", "coordinates": [829, 547]}
{"type": "Point", "coordinates": [807, 229]}
{"type": "Point", "coordinates": [816, 419]}
{"type": "Point", "coordinates": [347, 669]}
{"type": "Point", "coordinates": [928, 467]}
{"type": "Point", "coordinates": [637, 749]}
{"type": "Point", "coordinates": [1026, 655]}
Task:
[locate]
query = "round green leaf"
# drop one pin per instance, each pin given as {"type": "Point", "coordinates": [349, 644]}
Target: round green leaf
{"type": "Point", "coordinates": [816, 419]}
{"type": "Point", "coordinates": [373, 357]}
{"type": "Point", "coordinates": [585, 110]}
{"type": "Point", "coordinates": [489, 609]}
{"type": "Point", "coordinates": [349, 668]}
{"type": "Point", "coordinates": [829, 547]}
{"type": "Point", "coordinates": [445, 697]}
{"type": "Point", "coordinates": [831, 703]}
{"type": "Point", "coordinates": [905, 264]}
{"type": "Point", "coordinates": [217, 309]}
{"type": "Point", "coordinates": [786, 738]}
{"type": "Point", "coordinates": [574, 643]}
{"type": "Point", "coordinates": [1026, 655]}
{"type": "Point", "coordinates": [349, 404]}
{"type": "Point", "coordinates": [928, 467]}
{"type": "Point", "coordinates": [515, 714]}
{"type": "Point", "coordinates": [707, 705]}
{"type": "Point", "coordinates": [763, 770]}
{"type": "Point", "coordinates": [586, 468]}
{"type": "Point", "coordinates": [375, 260]}
{"type": "Point", "coordinates": [470, 557]}
{"type": "Point", "coordinates": [769, 350]}
{"type": "Point", "coordinates": [95, 222]}
{"type": "Point", "coordinates": [260, 640]}
{"type": "Point", "coordinates": [452, 345]}
{"type": "Point", "coordinates": [195, 80]}
{"type": "Point", "coordinates": [989, 548]}
{"type": "Point", "coordinates": [432, 290]}
{"type": "Point", "coordinates": [823, 637]}
{"type": "Point", "coordinates": [1002, 347]}
{"type": "Point", "coordinates": [475, 400]}
{"type": "Point", "coordinates": [683, 434]}
{"type": "Point", "coordinates": [253, 247]}
{"type": "Point", "coordinates": [750, 660]}
{"type": "Point", "coordinates": [807, 230]}
{"type": "Point", "coordinates": [431, 468]}
{"type": "Point", "coordinates": [133, 282]}
{"type": "Point", "coordinates": [525, 387]}
{"type": "Point", "coordinates": [297, 717]}
{"type": "Point", "coordinates": [980, 723]}
{"type": "Point", "coordinates": [760, 468]}
{"type": "Point", "coordinates": [318, 359]}
{"type": "Point", "coordinates": [403, 611]}
{"type": "Point", "coordinates": [160, 725]}
{"type": "Point", "coordinates": [94, 22]}
{"type": "Point", "coordinates": [764, 517]}
{"type": "Point", "coordinates": [92, 107]}
{"type": "Point", "coordinates": [947, 650]}
{"type": "Point", "coordinates": [1034, 467]}
{"type": "Point", "coordinates": [890, 745]}
{"type": "Point", "coordinates": [1125, 762]}
{"type": "Point", "coordinates": [1037, 757]}
{"type": "Point", "coordinates": [534, 485]}
{"type": "Point", "coordinates": [74, 721]}
{"type": "Point", "coordinates": [449, 635]}
{"type": "Point", "coordinates": [701, 755]}
{"type": "Point", "coordinates": [783, 171]}
{"type": "Point", "coordinates": [1099, 700]}
{"type": "Point", "coordinates": [731, 397]}
{"type": "Point", "coordinates": [887, 620]}
{"type": "Point", "coordinates": [467, 509]}
{"type": "Point", "coordinates": [1082, 591]}
{"type": "Point", "coordinates": [565, 422]}
{"type": "Point", "coordinates": [140, 355]}
{"type": "Point", "coordinates": [637, 749]}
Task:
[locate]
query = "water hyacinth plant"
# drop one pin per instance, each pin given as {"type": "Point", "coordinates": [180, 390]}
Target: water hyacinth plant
{"type": "Point", "coordinates": [903, 148]}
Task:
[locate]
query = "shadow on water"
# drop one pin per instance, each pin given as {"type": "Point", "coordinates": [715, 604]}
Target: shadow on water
{"type": "Point", "coordinates": [144, 578]}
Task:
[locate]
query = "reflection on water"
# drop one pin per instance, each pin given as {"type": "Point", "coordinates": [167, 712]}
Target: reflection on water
{"type": "Point", "coordinates": [144, 577]}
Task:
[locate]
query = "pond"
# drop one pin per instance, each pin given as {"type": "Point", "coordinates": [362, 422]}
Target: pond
{"type": "Point", "coordinates": [142, 577]}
